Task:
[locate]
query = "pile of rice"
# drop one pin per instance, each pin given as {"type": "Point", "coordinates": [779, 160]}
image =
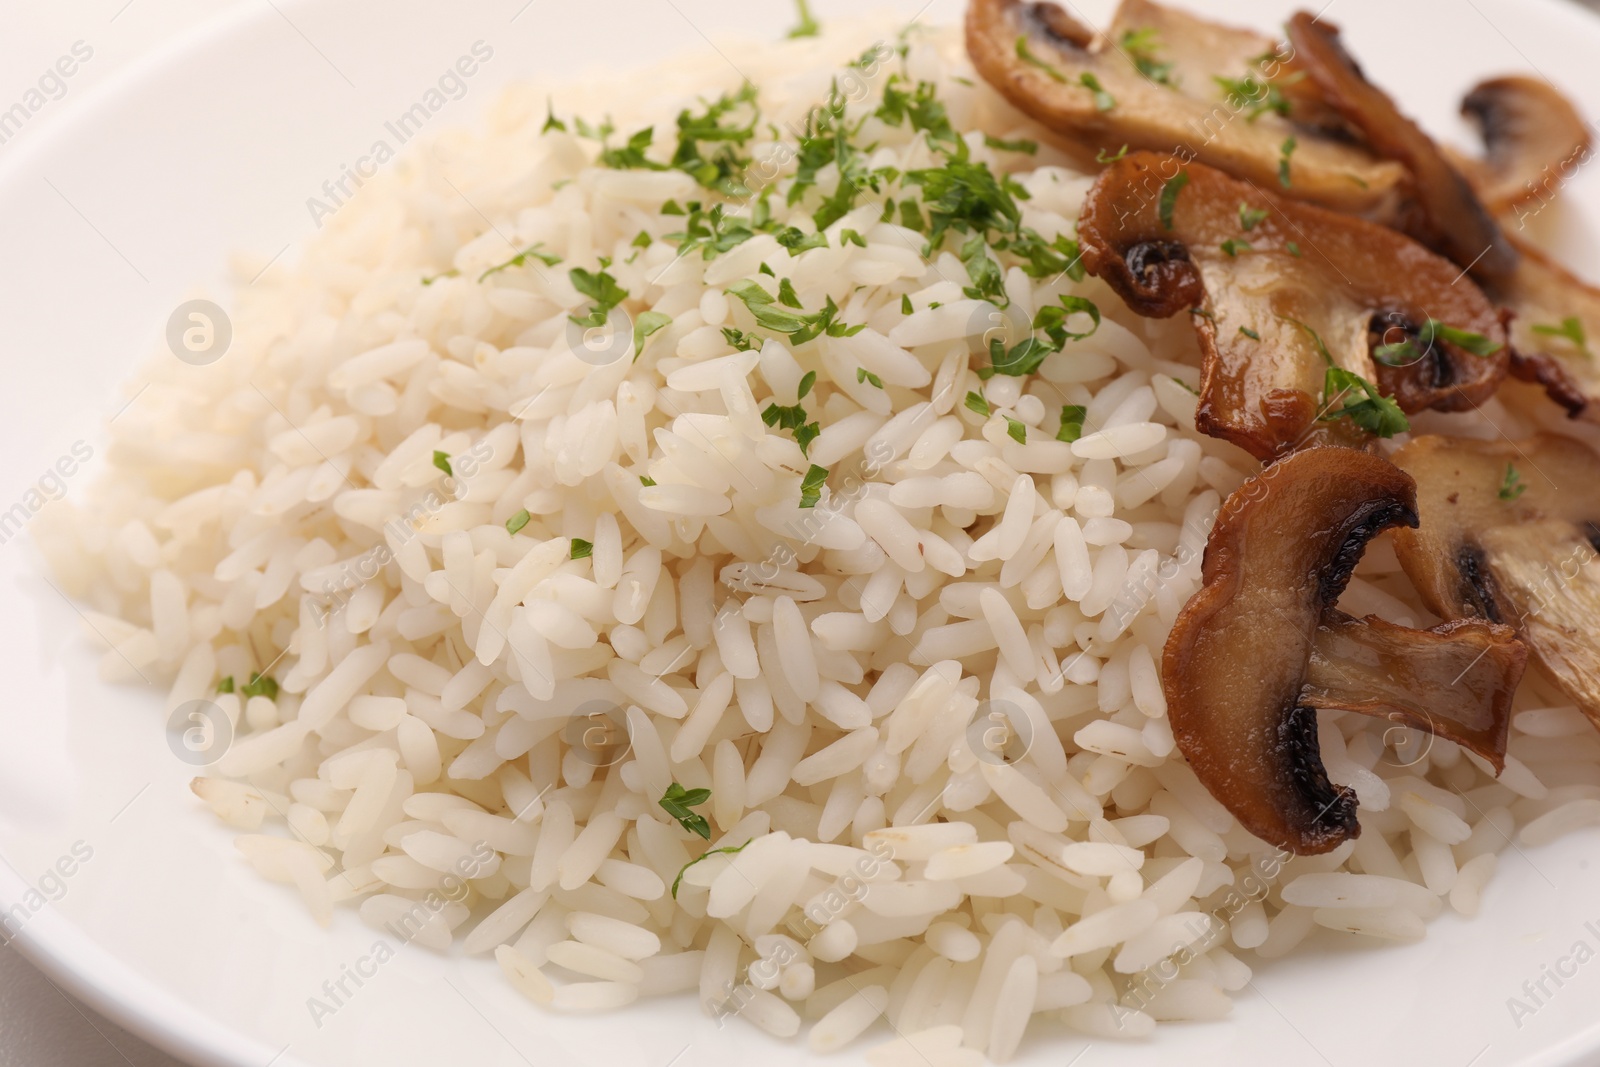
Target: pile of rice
{"type": "Point", "coordinates": [927, 709]}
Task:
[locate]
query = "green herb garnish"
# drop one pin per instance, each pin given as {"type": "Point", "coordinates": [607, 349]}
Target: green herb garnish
{"type": "Point", "coordinates": [677, 803]}
{"type": "Point", "coordinates": [600, 287]}
{"type": "Point", "coordinates": [516, 522]}
{"type": "Point", "coordinates": [864, 375]}
{"type": "Point", "coordinates": [647, 323]}
{"type": "Point", "coordinates": [442, 461]}
{"type": "Point", "coordinates": [226, 685]}
{"type": "Point", "coordinates": [1169, 196]}
{"type": "Point", "coordinates": [1233, 248]}
{"type": "Point", "coordinates": [1250, 217]}
{"type": "Point", "coordinates": [808, 26]}
{"type": "Point", "coordinates": [1141, 46]}
{"type": "Point", "coordinates": [1101, 157]}
{"type": "Point", "coordinates": [811, 486]}
{"type": "Point", "coordinates": [1034, 61]}
{"type": "Point", "coordinates": [1248, 332]}
{"type": "Point", "coordinates": [1103, 101]}
{"type": "Point", "coordinates": [976, 402]}
{"type": "Point", "coordinates": [1284, 154]}
{"type": "Point", "coordinates": [1024, 146]}
{"type": "Point", "coordinates": [582, 549]}
{"type": "Point", "coordinates": [727, 850]}
{"type": "Point", "coordinates": [1511, 486]}
{"type": "Point", "coordinates": [1016, 430]}
{"type": "Point", "coordinates": [1572, 329]}
{"type": "Point", "coordinates": [1072, 416]}
{"type": "Point", "coordinates": [260, 686]}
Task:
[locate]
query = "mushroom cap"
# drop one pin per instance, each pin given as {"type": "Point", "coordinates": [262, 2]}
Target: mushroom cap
{"type": "Point", "coordinates": [1450, 216]}
{"type": "Point", "coordinates": [1261, 646]}
{"type": "Point", "coordinates": [1192, 111]}
{"type": "Point", "coordinates": [1534, 139]}
{"type": "Point", "coordinates": [1543, 293]}
{"type": "Point", "coordinates": [1310, 279]}
{"type": "Point", "coordinates": [1525, 557]}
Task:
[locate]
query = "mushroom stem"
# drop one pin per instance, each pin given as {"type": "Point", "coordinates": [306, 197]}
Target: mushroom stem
{"type": "Point", "coordinates": [1261, 646]}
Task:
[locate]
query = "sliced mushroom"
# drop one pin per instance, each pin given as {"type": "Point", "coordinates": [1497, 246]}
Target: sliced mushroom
{"type": "Point", "coordinates": [1509, 533]}
{"type": "Point", "coordinates": [1047, 63]}
{"type": "Point", "coordinates": [1268, 302]}
{"type": "Point", "coordinates": [1528, 127]}
{"type": "Point", "coordinates": [1451, 218]}
{"type": "Point", "coordinates": [1533, 139]}
{"type": "Point", "coordinates": [1546, 348]}
{"type": "Point", "coordinates": [1260, 647]}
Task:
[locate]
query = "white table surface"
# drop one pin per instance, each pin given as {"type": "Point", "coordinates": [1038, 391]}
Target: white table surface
{"type": "Point", "coordinates": [41, 1026]}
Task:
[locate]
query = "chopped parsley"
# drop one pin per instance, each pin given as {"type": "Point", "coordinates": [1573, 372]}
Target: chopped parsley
{"type": "Point", "coordinates": [1233, 248]}
{"type": "Point", "coordinates": [1101, 157]}
{"type": "Point", "coordinates": [1141, 46]}
{"type": "Point", "coordinates": [790, 299]}
{"type": "Point", "coordinates": [1294, 249]}
{"type": "Point", "coordinates": [1250, 218]}
{"type": "Point", "coordinates": [1285, 151]}
{"type": "Point", "coordinates": [582, 549]}
{"type": "Point", "coordinates": [1016, 430]}
{"type": "Point", "coordinates": [1512, 486]}
{"type": "Point", "coordinates": [1191, 390]}
{"type": "Point", "coordinates": [1406, 352]}
{"type": "Point", "coordinates": [799, 326]}
{"type": "Point", "coordinates": [600, 287]}
{"type": "Point", "coordinates": [793, 417]}
{"type": "Point", "coordinates": [226, 685]}
{"type": "Point", "coordinates": [1571, 328]}
{"type": "Point", "coordinates": [1248, 332]}
{"type": "Point", "coordinates": [864, 375]}
{"type": "Point", "coordinates": [643, 240]}
{"type": "Point", "coordinates": [1072, 416]}
{"type": "Point", "coordinates": [677, 801]}
{"type": "Point", "coordinates": [1020, 360]}
{"type": "Point", "coordinates": [451, 273]}
{"type": "Point", "coordinates": [797, 240]}
{"type": "Point", "coordinates": [1052, 319]}
{"type": "Point", "coordinates": [1034, 61]}
{"type": "Point", "coordinates": [260, 685]}
{"type": "Point", "coordinates": [516, 522]}
{"type": "Point", "coordinates": [851, 237]}
{"type": "Point", "coordinates": [1103, 101]}
{"type": "Point", "coordinates": [905, 304]}
{"type": "Point", "coordinates": [647, 481]}
{"type": "Point", "coordinates": [550, 120]}
{"type": "Point", "coordinates": [1024, 146]}
{"type": "Point", "coordinates": [1169, 196]}
{"type": "Point", "coordinates": [726, 850]}
{"type": "Point", "coordinates": [442, 461]}
{"type": "Point", "coordinates": [647, 323]}
{"type": "Point", "coordinates": [740, 340]}
{"type": "Point", "coordinates": [1252, 97]}
{"type": "Point", "coordinates": [1377, 414]}
{"type": "Point", "coordinates": [808, 26]}
{"type": "Point", "coordinates": [811, 486]}
{"type": "Point", "coordinates": [976, 403]}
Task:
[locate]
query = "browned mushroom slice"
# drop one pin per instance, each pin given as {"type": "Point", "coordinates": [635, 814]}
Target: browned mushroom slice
{"type": "Point", "coordinates": [1533, 139]}
{"type": "Point", "coordinates": [1239, 658]}
{"type": "Point", "coordinates": [1509, 531]}
{"type": "Point", "coordinates": [1377, 668]}
{"type": "Point", "coordinates": [1275, 303]}
{"type": "Point", "coordinates": [1557, 320]}
{"type": "Point", "coordinates": [1451, 218]}
{"type": "Point", "coordinates": [1078, 83]}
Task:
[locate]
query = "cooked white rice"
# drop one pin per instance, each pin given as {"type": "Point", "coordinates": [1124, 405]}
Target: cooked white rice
{"type": "Point", "coordinates": [855, 683]}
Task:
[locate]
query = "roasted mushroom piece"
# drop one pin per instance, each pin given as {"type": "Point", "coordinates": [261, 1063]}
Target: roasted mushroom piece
{"type": "Point", "coordinates": [1261, 646]}
{"type": "Point", "coordinates": [1524, 128]}
{"type": "Point", "coordinates": [1451, 219]}
{"type": "Point", "coordinates": [1106, 94]}
{"type": "Point", "coordinates": [1509, 532]}
{"type": "Point", "coordinates": [1533, 140]}
{"type": "Point", "coordinates": [1279, 292]}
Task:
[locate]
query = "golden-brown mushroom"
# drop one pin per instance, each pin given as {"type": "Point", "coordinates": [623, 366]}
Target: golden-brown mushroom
{"type": "Point", "coordinates": [1509, 532]}
{"type": "Point", "coordinates": [1557, 317]}
{"type": "Point", "coordinates": [1451, 218]}
{"type": "Point", "coordinates": [1534, 140]}
{"type": "Point", "coordinates": [1092, 89]}
{"type": "Point", "coordinates": [1278, 291]}
{"type": "Point", "coordinates": [1260, 647]}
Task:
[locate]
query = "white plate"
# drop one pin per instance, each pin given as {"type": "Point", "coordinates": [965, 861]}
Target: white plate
{"type": "Point", "coordinates": [215, 145]}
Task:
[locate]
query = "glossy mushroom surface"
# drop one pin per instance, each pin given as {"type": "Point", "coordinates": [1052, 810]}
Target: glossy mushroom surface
{"type": "Point", "coordinates": [1261, 646]}
{"type": "Point", "coordinates": [1049, 64]}
{"type": "Point", "coordinates": [1277, 291]}
{"type": "Point", "coordinates": [1534, 139]}
{"type": "Point", "coordinates": [1509, 532]}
